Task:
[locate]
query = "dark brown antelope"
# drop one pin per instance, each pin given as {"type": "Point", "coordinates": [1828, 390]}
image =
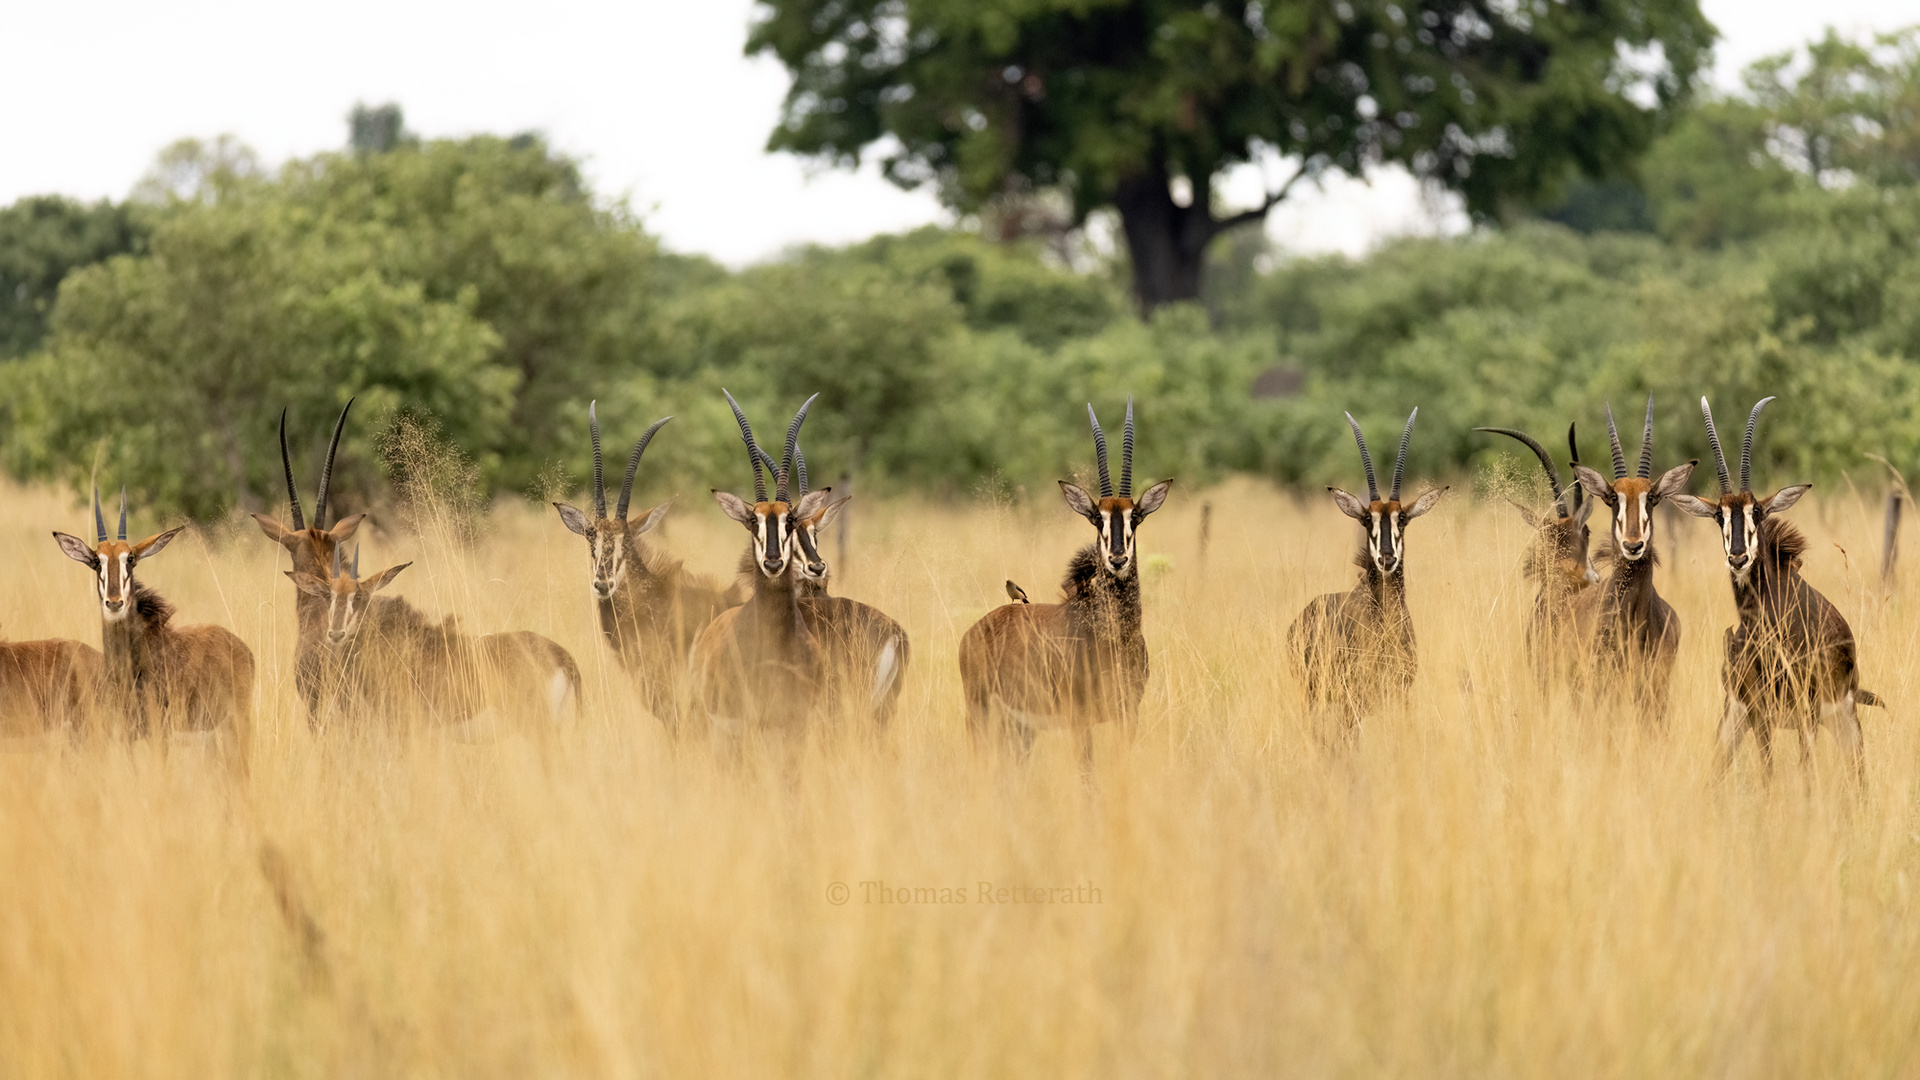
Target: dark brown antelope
{"type": "Point", "coordinates": [47, 688]}
{"type": "Point", "coordinates": [1082, 661]}
{"type": "Point", "coordinates": [399, 666]}
{"type": "Point", "coordinates": [158, 678]}
{"type": "Point", "coordinates": [865, 653]}
{"type": "Point", "coordinates": [1559, 558]}
{"type": "Point", "coordinates": [313, 549]}
{"type": "Point", "coordinates": [1631, 635]}
{"type": "Point", "coordinates": [1791, 662]}
{"type": "Point", "coordinates": [756, 668]}
{"type": "Point", "coordinates": [1355, 650]}
{"type": "Point", "coordinates": [650, 607]}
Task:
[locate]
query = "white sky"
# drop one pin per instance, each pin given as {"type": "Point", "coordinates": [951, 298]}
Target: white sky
{"type": "Point", "coordinates": [655, 96]}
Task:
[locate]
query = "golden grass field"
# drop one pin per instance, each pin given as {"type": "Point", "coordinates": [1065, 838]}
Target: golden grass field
{"type": "Point", "coordinates": [1490, 885]}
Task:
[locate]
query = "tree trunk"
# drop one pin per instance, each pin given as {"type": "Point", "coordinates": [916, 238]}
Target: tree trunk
{"type": "Point", "coordinates": [1167, 241]}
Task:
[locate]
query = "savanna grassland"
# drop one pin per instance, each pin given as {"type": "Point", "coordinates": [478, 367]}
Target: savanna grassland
{"type": "Point", "coordinates": [1494, 883]}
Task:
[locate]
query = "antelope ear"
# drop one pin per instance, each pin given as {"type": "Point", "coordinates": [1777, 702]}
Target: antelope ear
{"type": "Point", "coordinates": [1698, 507]}
{"type": "Point", "coordinates": [735, 507]}
{"type": "Point", "coordinates": [832, 511]}
{"type": "Point", "coordinates": [343, 529]}
{"type": "Point", "coordinates": [77, 550]}
{"type": "Point", "coordinates": [1594, 484]}
{"type": "Point", "coordinates": [155, 544]}
{"type": "Point", "coordinates": [574, 520]}
{"type": "Point", "coordinates": [647, 521]}
{"type": "Point", "coordinates": [275, 531]}
{"type": "Point", "coordinates": [1155, 497]}
{"type": "Point", "coordinates": [1426, 502]}
{"type": "Point", "coordinates": [383, 579]}
{"type": "Point", "coordinates": [309, 584]}
{"type": "Point", "coordinates": [1080, 501]}
{"type": "Point", "coordinates": [1784, 499]}
{"type": "Point", "coordinates": [1673, 481]}
{"type": "Point", "coordinates": [811, 502]}
{"type": "Point", "coordinates": [1526, 515]}
{"type": "Point", "coordinates": [1349, 504]}
{"type": "Point", "coordinates": [1581, 515]}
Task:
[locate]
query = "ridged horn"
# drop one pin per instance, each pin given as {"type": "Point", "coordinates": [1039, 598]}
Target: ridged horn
{"type": "Point", "coordinates": [633, 466]}
{"type": "Point", "coordinates": [1573, 448]}
{"type": "Point", "coordinates": [1400, 462]}
{"type": "Point", "coordinates": [792, 446]}
{"type": "Point", "coordinates": [1646, 444]}
{"type": "Point", "coordinates": [599, 468]}
{"type": "Point", "coordinates": [753, 448]}
{"type": "Point", "coordinates": [123, 511]}
{"type": "Point", "coordinates": [1719, 456]}
{"type": "Point", "coordinates": [1613, 442]}
{"type": "Point", "coordinates": [1100, 453]}
{"type": "Point", "coordinates": [1546, 462]}
{"type": "Point", "coordinates": [1366, 459]}
{"type": "Point", "coordinates": [1746, 448]}
{"type": "Point", "coordinates": [326, 470]}
{"type": "Point", "coordinates": [99, 519]}
{"type": "Point", "coordinates": [286, 461]}
{"type": "Point", "coordinates": [1126, 453]}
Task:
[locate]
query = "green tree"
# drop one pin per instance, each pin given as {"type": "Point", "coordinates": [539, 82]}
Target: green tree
{"type": "Point", "coordinates": [1113, 102]}
{"type": "Point", "coordinates": [42, 239]}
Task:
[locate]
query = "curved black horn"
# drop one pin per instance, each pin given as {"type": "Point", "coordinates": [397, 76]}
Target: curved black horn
{"type": "Point", "coordinates": [633, 466]}
{"type": "Point", "coordinates": [1646, 444]}
{"type": "Point", "coordinates": [1719, 457]}
{"type": "Point", "coordinates": [326, 470]}
{"type": "Point", "coordinates": [599, 470]}
{"type": "Point", "coordinates": [1366, 459]}
{"type": "Point", "coordinates": [1546, 462]}
{"type": "Point", "coordinates": [99, 519]}
{"type": "Point", "coordinates": [792, 446]}
{"type": "Point", "coordinates": [336, 560]}
{"type": "Point", "coordinates": [1100, 453]}
{"type": "Point", "coordinates": [1613, 441]}
{"type": "Point", "coordinates": [1126, 453]}
{"type": "Point", "coordinates": [753, 448]}
{"type": "Point", "coordinates": [1746, 448]}
{"type": "Point", "coordinates": [1400, 463]}
{"type": "Point", "coordinates": [286, 460]}
{"type": "Point", "coordinates": [123, 511]}
{"type": "Point", "coordinates": [1573, 447]}
{"type": "Point", "coordinates": [800, 470]}
{"type": "Point", "coordinates": [773, 469]}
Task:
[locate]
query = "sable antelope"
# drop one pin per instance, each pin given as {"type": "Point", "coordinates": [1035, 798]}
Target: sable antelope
{"type": "Point", "coordinates": [865, 653]}
{"type": "Point", "coordinates": [756, 667]}
{"type": "Point", "coordinates": [1081, 661]}
{"type": "Point", "coordinates": [1355, 650]}
{"type": "Point", "coordinates": [1632, 636]}
{"type": "Point", "coordinates": [47, 687]}
{"type": "Point", "coordinates": [1791, 661]}
{"type": "Point", "coordinates": [158, 677]}
{"type": "Point", "coordinates": [650, 607]}
{"type": "Point", "coordinates": [313, 549]}
{"type": "Point", "coordinates": [397, 664]}
{"type": "Point", "coordinates": [1559, 558]}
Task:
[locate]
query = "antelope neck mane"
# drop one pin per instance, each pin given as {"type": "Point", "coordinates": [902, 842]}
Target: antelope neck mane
{"type": "Point", "coordinates": [1785, 543]}
{"type": "Point", "coordinates": [153, 609]}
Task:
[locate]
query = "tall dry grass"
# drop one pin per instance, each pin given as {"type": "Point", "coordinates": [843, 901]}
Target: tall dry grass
{"type": "Point", "coordinates": [1492, 884]}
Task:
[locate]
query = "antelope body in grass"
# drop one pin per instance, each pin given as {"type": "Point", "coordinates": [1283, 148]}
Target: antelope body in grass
{"type": "Point", "coordinates": [47, 687]}
{"type": "Point", "coordinates": [1027, 667]}
{"type": "Point", "coordinates": [1355, 650]}
{"type": "Point", "coordinates": [650, 607]}
{"type": "Point", "coordinates": [1559, 558]}
{"type": "Point", "coordinates": [159, 678]}
{"type": "Point", "coordinates": [398, 666]}
{"type": "Point", "coordinates": [756, 669]}
{"type": "Point", "coordinates": [1631, 635]}
{"type": "Point", "coordinates": [313, 550]}
{"type": "Point", "coordinates": [864, 652]}
{"type": "Point", "coordinates": [1792, 661]}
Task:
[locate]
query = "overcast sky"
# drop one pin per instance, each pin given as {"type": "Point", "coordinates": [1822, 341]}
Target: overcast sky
{"type": "Point", "coordinates": [654, 96]}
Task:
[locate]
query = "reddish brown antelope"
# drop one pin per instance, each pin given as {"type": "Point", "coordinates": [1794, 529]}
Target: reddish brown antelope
{"type": "Point", "coordinates": [398, 666]}
{"type": "Point", "coordinates": [650, 607]}
{"type": "Point", "coordinates": [159, 678]}
{"type": "Point", "coordinates": [756, 667]}
{"type": "Point", "coordinates": [313, 549]}
{"type": "Point", "coordinates": [1559, 558]}
{"type": "Point", "coordinates": [1631, 635]}
{"type": "Point", "coordinates": [1355, 650]}
{"type": "Point", "coordinates": [865, 653]}
{"type": "Point", "coordinates": [1791, 662]}
{"type": "Point", "coordinates": [1082, 661]}
{"type": "Point", "coordinates": [47, 688]}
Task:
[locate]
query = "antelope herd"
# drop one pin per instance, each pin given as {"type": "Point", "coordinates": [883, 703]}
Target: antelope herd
{"type": "Point", "coordinates": [775, 657]}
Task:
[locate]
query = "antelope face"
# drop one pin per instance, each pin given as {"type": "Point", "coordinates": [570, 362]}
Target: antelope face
{"type": "Point", "coordinates": [1116, 518]}
{"type": "Point", "coordinates": [808, 562]}
{"type": "Point", "coordinates": [1385, 522]}
{"type": "Point", "coordinates": [610, 546]}
{"type": "Point", "coordinates": [112, 562]}
{"type": "Point", "coordinates": [773, 525]}
{"type": "Point", "coordinates": [1562, 545]}
{"type": "Point", "coordinates": [1739, 516]}
{"type": "Point", "coordinates": [311, 549]}
{"type": "Point", "coordinates": [1632, 499]}
{"type": "Point", "coordinates": [347, 598]}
